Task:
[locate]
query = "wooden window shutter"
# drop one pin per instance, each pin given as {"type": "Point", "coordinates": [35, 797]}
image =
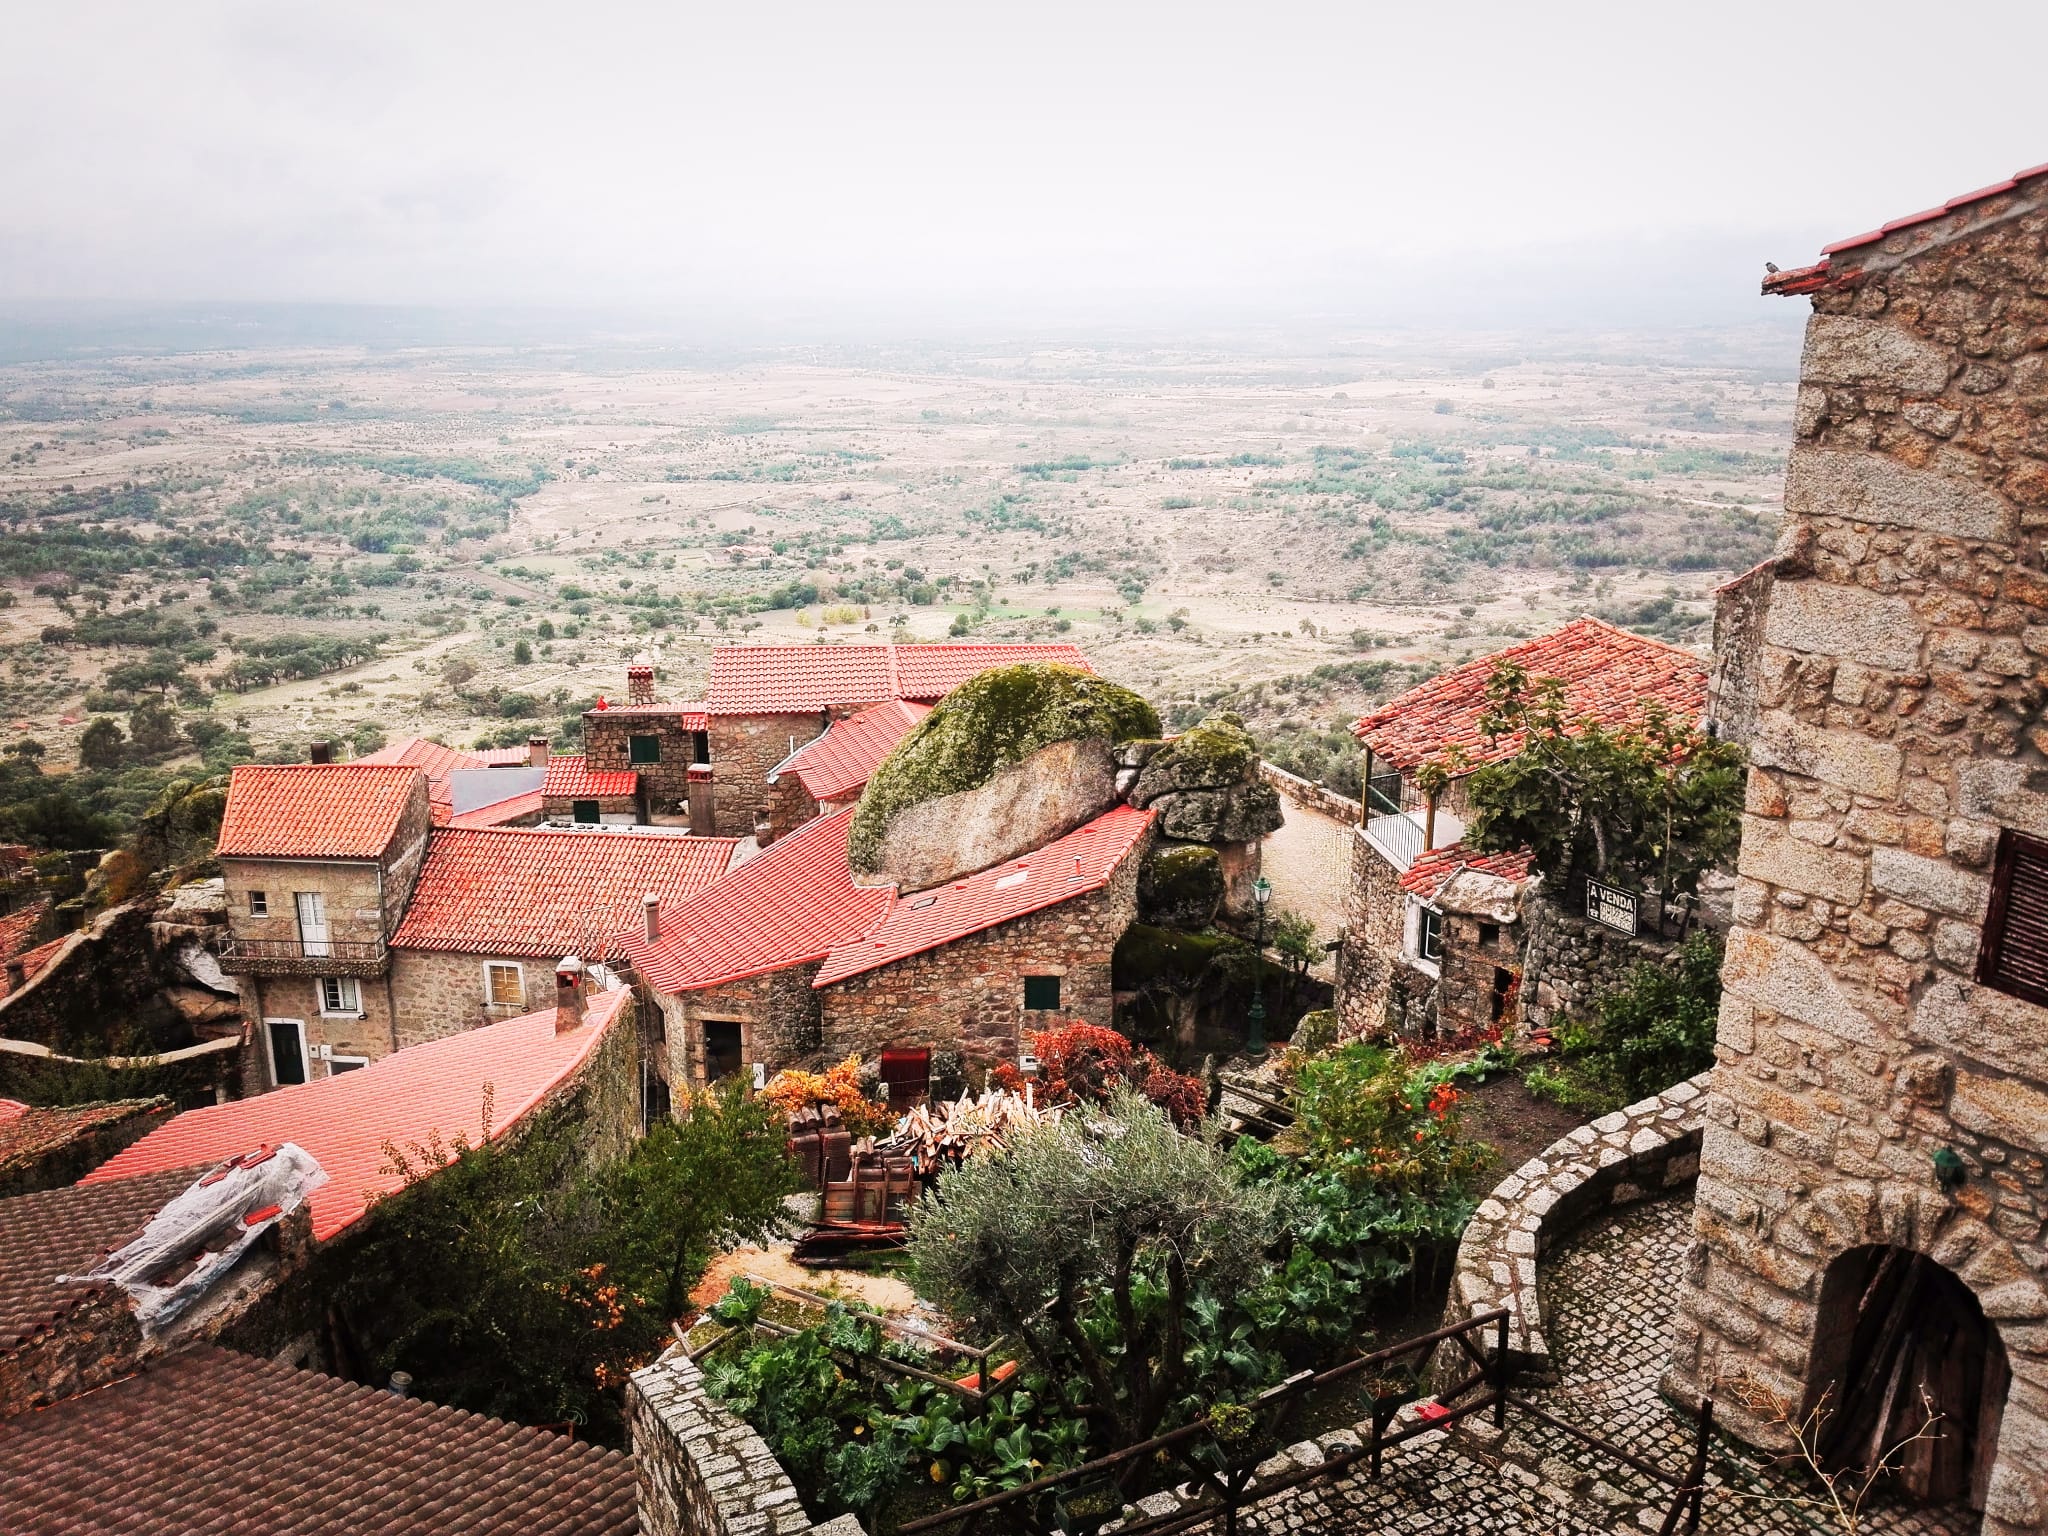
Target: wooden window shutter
{"type": "Point", "coordinates": [2014, 954]}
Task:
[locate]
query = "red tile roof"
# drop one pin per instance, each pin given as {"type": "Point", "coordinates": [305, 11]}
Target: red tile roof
{"type": "Point", "coordinates": [213, 1441]}
{"type": "Point", "coordinates": [836, 764]}
{"type": "Point", "coordinates": [1082, 861]}
{"type": "Point", "coordinates": [511, 811]}
{"type": "Point", "coordinates": [433, 759]}
{"type": "Point", "coordinates": [791, 903]}
{"type": "Point", "coordinates": [505, 757]}
{"type": "Point", "coordinates": [1829, 272]}
{"type": "Point", "coordinates": [33, 961]}
{"type": "Point", "coordinates": [316, 810]}
{"type": "Point", "coordinates": [797, 679]}
{"type": "Point", "coordinates": [1608, 673]}
{"type": "Point", "coordinates": [405, 1099]}
{"type": "Point", "coordinates": [547, 893]}
{"type": "Point", "coordinates": [1425, 877]}
{"type": "Point", "coordinates": [65, 1232]}
{"type": "Point", "coordinates": [17, 928]}
{"type": "Point", "coordinates": [569, 778]}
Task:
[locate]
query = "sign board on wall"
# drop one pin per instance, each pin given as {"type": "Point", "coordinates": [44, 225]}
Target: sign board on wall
{"type": "Point", "coordinates": [1611, 908]}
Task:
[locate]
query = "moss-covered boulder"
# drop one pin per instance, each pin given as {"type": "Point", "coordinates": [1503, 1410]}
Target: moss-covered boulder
{"type": "Point", "coordinates": [1237, 815]}
{"type": "Point", "coordinates": [1218, 753]}
{"type": "Point", "coordinates": [1180, 885]}
{"type": "Point", "coordinates": [1007, 762]}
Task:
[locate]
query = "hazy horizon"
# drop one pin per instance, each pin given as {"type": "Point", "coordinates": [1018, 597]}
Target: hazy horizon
{"type": "Point", "coordinates": [922, 167]}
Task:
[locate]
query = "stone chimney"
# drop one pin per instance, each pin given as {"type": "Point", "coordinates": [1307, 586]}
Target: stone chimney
{"type": "Point", "coordinates": [569, 979]}
{"type": "Point", "coordinates": [703, 801]}
{"type": "Point", "coordinates": [320, 752]}
{"type": "Point", "coordinates": [650, 916]}
{"type": "Point", "coordinates": [17, 975]}
{"type": "Point", "coordinates": [536, 751]}
{"type": "Point", "coordinates": [639, 685]}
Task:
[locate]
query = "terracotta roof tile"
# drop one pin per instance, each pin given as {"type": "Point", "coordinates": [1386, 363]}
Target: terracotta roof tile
{"type": "Point", "coordinates": [789, 904]}
{"type": "Point", "coordinates": [209, 1440]}
{"type": "Point", "coordinates": [17, 929]}
{"type": "Point", "coordinates": [316, 810]}
{"type": "Point", "coordinates": [797, 679]}
{"type": "Point", "coordinates": [533, 891]}
{"type": "Point", "coordinates": [1608, 675]}
{"type": "Point", "coordinates": [504, 757]}
{"type": "Point", "coordinates": [1082, 861]}
{"type": "Point", "coordinates": [569, 778]}
{"type": "Point", "coordinates": [502, 813]}
{"type": "Point", "coordinates": [33, 961]}
{"type": "Point", "coordinates": [406, 1098]}
{"type": "Point", "coordinates": [433, 759]}
{"type": "Point", "coordinates": [1425, 877]}
{"type": "Point", "coordinates": [837, 764]}
{"type": "Point", "coordinates": [65, 1232]}
{"type": "Point", "coordinates": [1827, 271]}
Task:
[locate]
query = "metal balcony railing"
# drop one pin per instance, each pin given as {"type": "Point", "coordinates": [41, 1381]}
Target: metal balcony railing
{"type": "Point", "coordinates": [301, 957]}
{"type": "Point", "coordinates": [1398, 837]}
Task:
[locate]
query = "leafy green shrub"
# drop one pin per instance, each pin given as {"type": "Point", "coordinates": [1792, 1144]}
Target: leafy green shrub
{"type": "Point", "coordinates": [1654, 1030]}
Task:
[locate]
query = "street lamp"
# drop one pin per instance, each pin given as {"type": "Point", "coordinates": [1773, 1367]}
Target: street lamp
{"type": "Point", "coordinates": [1255, 1020]}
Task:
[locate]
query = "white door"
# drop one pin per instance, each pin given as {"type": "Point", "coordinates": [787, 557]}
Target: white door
{"type": "Point", "coordinates": [287, 1051]}
{"type": "Point", "coordinates": [312, 923]}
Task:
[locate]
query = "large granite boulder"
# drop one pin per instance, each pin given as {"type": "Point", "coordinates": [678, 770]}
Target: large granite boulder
{"type": "Point", "coordinates": [1219, 815]}
{"type": "Point", "coordinates": [1180, 885]}
{"type": "Point", "coordinates": [1007, 762]}
{"type": "Point", "coordinates": [1218, 753]}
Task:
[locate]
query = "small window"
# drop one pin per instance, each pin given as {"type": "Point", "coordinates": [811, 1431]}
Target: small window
{"type": "Point", "coordinates": [1489, 933]}
{"type": "Point", "coordinates": [340, 994]}
{"type": "Point", "coordinates": [643, 749]}
{"type": "Point", "coordinates": [724, 1051]}
{"type": "Point", "coordinates": [338, 1064]}
{"type": "Point", "coordinates": [585, 810]}
{"type": "Point", "coordinates": [2013, 956]}
{"type": "Point", "coordinates": [1041, 992]}
{"type": "Point", "coordinates": [700, 746]}
{"type": "Point", "coordinates": [504, 986]}
{"type": "Point", "coordinates": [259, 903]}
{"type": "Point", "coordinates": [1430, 942]}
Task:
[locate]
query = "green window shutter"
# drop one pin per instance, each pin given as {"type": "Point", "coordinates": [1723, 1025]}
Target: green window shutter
{"type": "Point", "coordinates": [585, 810]}
{"type": "Point", "coordinates": [643, 749]}
{"type": "Point", "coordinates": [1041, 992]}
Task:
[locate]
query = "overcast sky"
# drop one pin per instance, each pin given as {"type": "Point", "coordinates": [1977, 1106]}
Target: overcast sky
{"type": "Point", "coordinates": [1262, 154]}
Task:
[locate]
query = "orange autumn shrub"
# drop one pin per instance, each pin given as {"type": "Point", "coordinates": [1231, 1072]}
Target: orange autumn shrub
{"type": "Point", "coordinates": [793, 1089]}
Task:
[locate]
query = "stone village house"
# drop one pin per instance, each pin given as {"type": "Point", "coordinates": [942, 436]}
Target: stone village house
{"type": "Point", "coordinates": [357, 928]}
{"type": "Point", "coordinates": [711, 763]}
{"type": "Point", "coordinates": [1436, 934]}
{"type": "Point", "coordinates": [788, 958]}
{"type": "Point", "coordinates": [1874, 1173]}
{"type": "Point", "coordinates": [378, 903]}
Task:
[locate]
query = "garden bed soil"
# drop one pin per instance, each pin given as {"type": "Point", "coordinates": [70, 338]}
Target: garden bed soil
{"type": "Point", "coordinates": [884, 1293]}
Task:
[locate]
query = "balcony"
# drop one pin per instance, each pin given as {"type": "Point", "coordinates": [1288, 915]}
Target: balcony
{"type": "Point", "coordinates": [301, 957]}
{"type": "Point", "coordinates": [1398, 836]}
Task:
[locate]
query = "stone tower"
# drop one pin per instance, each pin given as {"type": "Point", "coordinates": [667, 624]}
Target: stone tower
{"type": "Point", "coordinates": [1869, 1219]}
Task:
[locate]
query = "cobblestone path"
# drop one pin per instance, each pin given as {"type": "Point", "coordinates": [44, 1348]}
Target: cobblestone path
{"type": "Point", "coordinates": [1607, 1291]}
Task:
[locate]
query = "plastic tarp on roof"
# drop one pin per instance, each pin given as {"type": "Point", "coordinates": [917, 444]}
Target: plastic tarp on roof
{"type": "Point", "coordinates": [202, 1234]}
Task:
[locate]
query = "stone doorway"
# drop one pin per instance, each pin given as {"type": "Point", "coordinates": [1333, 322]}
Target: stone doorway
{"type": "Point", "coordinates": [1902, 1344]}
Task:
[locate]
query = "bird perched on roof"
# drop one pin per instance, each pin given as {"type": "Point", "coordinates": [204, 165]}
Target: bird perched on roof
{"type": "Point", "coordinates": [1770, 266]}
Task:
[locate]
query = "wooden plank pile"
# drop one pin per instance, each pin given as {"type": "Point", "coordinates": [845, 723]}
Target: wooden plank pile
{"type": "Point", "coordinates": [936, 1136]}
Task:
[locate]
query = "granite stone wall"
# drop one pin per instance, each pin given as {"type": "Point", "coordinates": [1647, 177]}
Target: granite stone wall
{"type": "Point", "coordinates": [1630, 1155]}
{"type": "Point", "coordinates": [701, 1470]}
{"type": "Point", "coordinates": [744, 749]}
{"type": "Point", "coordinates": [1367, 963]}
{"type": "Point", "coordinates": [1900, 689]}
{"type": "Point", "coordinates": [969, 995]}
{"type": "Point", "coordinates": [778, 1014]}
{"type": "Point", "coordinates": [1569, 962]}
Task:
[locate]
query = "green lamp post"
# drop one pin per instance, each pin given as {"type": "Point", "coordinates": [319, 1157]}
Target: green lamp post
{"type": "Point", "coordinates": [1255, 1020]}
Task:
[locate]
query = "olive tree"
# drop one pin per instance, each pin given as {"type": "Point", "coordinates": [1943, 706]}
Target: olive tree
{"type": "Point", "coordinates": [1088, 1242]}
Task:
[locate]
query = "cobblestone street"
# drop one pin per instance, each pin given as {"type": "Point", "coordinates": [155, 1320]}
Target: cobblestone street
{"type": "Point", "coordinates": [1607, 1292]}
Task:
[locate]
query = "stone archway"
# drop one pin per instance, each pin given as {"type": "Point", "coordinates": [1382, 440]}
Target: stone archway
{"type": "Point", "coordinates": [1905, 1364]}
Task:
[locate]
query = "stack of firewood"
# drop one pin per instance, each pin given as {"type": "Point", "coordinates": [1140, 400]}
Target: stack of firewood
{"type": "Point", "coordinates": [935, 1136]}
